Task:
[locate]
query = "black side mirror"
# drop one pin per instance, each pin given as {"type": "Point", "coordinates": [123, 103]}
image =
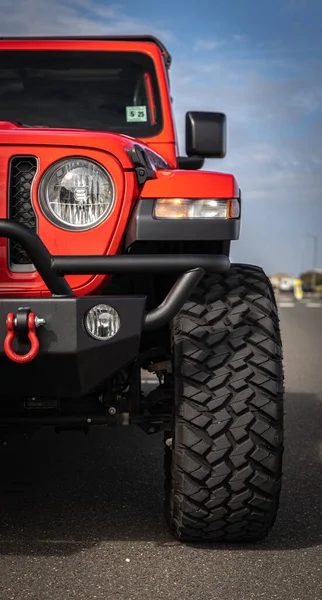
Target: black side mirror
{"type": "Point", "coordinates": [206, 134]}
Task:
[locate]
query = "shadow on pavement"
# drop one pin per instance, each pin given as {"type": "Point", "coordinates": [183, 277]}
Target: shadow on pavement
{"type": "Point", "coordinates": [61, 494]}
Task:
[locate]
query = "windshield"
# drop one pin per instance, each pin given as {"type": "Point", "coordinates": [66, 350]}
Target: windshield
{"type": "Point", "coordinates": [106, 91]}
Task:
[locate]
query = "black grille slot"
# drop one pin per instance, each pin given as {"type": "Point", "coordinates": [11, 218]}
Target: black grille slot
{"type": "Point", "coordinates": [22, 172]}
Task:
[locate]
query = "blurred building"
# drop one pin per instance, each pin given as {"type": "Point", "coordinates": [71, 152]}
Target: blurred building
{"type": "Point", "coordinates": [312, 280]}
{"type": "Point", "coordinates": [278, 278]}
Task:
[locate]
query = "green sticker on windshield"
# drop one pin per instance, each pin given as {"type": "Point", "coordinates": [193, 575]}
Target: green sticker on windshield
{"type": "Point", "coordinates": [136, 114]}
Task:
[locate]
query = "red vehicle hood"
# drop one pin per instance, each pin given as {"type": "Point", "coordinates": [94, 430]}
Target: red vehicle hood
{"type": "Point", "coordinates": [114, 143]}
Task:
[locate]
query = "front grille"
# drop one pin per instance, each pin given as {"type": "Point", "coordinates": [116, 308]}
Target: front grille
{"type": "Point", "coordinates": [22, 172]}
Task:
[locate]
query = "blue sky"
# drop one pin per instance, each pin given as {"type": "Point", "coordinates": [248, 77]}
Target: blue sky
{"type": "Point", "coordinates": [258, 61]}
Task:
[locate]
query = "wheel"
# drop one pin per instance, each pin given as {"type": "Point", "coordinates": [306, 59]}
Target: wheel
{"type": "Point", "coordinates": [223, 458]}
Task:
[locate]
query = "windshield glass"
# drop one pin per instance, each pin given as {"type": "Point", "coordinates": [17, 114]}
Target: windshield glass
{"type": "Point", "coordinates": [106, 91]}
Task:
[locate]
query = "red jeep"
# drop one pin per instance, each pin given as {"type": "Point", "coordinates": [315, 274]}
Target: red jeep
{"type": "Point", "coordinates": [114, 260]}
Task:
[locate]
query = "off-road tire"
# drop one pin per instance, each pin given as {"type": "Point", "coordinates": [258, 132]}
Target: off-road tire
{"type": "Point", "coordinates": [223, 471]}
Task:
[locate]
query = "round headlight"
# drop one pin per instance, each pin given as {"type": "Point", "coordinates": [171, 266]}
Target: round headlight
{"type": "Point", "coordinates": [76, 194]}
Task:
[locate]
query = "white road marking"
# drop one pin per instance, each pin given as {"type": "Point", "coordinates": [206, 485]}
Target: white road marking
{"type": "Point", "coordinates": [286, 304]}
{"type": "Point", "coordinates": [289, 304]}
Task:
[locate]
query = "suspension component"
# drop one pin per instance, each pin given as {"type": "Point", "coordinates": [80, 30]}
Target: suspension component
{"type": "Point", "coordinates": [31, 322]}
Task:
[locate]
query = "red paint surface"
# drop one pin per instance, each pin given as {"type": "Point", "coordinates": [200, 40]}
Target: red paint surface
{"type": "Point", "coordinates": [108, 149]}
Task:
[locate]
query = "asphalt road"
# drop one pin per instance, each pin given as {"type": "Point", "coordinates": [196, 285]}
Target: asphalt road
{"type": "Point", "coordinates": [81, 516]}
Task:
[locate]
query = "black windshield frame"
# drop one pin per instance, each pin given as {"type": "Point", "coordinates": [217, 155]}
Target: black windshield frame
{"type": "Point", "coordinates": [37, 87]}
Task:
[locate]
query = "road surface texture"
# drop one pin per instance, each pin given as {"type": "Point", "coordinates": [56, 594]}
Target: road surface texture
{"type": "Point", "coordinates": [81, 516]}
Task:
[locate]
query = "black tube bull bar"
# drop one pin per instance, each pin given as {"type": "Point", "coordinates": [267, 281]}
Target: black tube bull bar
{"type": "Point", "coordinates": [190, 268]}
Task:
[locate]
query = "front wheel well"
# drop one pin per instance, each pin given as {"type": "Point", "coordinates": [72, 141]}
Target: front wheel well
{"type": "Point", "coordinates": [156, 286]}
{"type": "Point", "coordinates": [180, 247]}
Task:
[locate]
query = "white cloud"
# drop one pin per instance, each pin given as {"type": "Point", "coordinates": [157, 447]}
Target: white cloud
{"type": "Point", "coordinates": [237, 37]}
{"type": "Point", "coordinates": [208, 44]}
{"type": "Point", "coordinates": [72, 17]}
{"type": "Point", "coordinates": [214, 44]}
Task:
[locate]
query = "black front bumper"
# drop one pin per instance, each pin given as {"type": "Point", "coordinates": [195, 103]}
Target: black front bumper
{"type": "Point", "coordinates": [70, 362]}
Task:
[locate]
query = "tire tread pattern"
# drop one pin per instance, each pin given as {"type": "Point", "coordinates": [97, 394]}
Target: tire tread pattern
{"type": "Point", "coordinates": [223, 475]}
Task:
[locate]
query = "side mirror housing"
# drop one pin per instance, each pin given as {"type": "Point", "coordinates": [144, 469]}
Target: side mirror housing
{"type": "Point", "coordinates": [191, 163]}
{"type": "Point", "coordinates": [206, 134]}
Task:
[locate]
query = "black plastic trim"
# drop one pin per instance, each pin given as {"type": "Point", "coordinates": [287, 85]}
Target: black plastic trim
{"type": "Point", "coordinates": [144, 227]}
{"type": "Point", "coordinates": [190, 163]}
{"type": "Point", "coordinates": [13, 248]}
{"type": "Point", "coordinates": [141, 164]}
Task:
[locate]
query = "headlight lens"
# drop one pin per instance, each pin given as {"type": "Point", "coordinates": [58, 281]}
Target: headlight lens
{"type": "Point", "coordinates": [199, 208]}
{"type": "Point", "coordinates": [76, 194]}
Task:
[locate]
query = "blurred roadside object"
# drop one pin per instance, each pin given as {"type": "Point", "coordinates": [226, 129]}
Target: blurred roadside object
{"type": "Point", "coordinates": [307, 288]}
{"type": "Point", "coordinates": [314, 272]}
{"type": "Point", "coordinates": [312, 281]}
{"type": "Point", "coordinates": [298, 289]}
{"type": "Point", "coordinates": [278, 278]}
{"type": "Point", "coordinates": [286, 284]}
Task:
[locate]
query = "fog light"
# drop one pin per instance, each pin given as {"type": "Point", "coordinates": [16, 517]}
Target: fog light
{"type": "Point", "coordinates": [102, 322]}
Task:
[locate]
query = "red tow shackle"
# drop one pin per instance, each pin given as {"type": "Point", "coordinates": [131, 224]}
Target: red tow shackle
{"type": "Point", "coordinates": [32, 335]}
